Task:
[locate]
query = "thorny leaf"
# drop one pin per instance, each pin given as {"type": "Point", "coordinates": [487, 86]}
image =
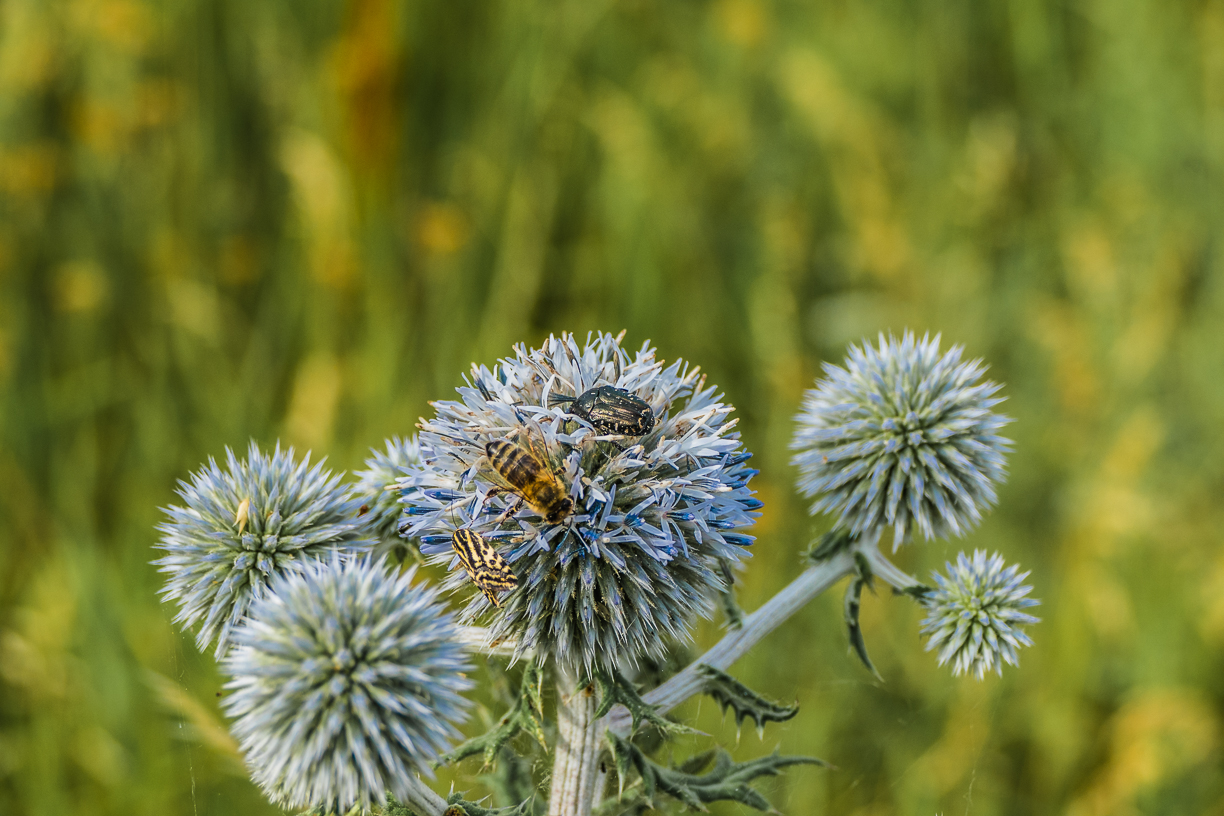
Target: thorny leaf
{"type": "Point", "coordinates": [731, 609]}
{"type": "Point", "coordinates": [511, 779]}
{"type": "Point", "coordinates": [919, 592]}
{"type": "Point", "coordinates": [526, 714]}
{"type": "Point", "coordinates": [391, 808]}
{"type": "Point", "coordinates": [355, 810]}
{"type": "Point", "coordinates": [726, 781]}
{"type": "Point", "coordinates": [633, 802]}
{"type": "Point", "coordinates": [614, 688]}
{"type": "Point", "coordinates": [854, 591]}
{"type": "Point", "coordinates": [461, 807]}
{"type": "Point", "coordinates": [829, 545]}
{"type": "Point", "coordinates": [731, 693]}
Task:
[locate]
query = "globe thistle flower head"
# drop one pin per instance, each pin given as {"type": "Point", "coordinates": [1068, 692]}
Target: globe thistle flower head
{"type": "Point", "coordinates": [380, 507]}
{"type": "Point", "coordinates": [902, 436]}
{"type": "Point", "coordinates": [975, 614]}
{"type": "Point", "coordinates": [241, 526]}
{"type": "Point", "coordinates": [653, 517]}
{"type": "Point", "coordinates": [345, 680]}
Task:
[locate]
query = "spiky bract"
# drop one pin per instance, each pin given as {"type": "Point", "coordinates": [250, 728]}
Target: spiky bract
{"type": "Point", "coordinates": [653, 516]}
{"type": "Point", "coordinates": [382, 509]}
{"type": "Point", "coordinates": [974, 616]}
{"type": "Point", "coordinates": [902, 436]}
{"type": "Point", "coordinates": [345, 680]}
{"type": "Point", "coordinates": [221, 553]}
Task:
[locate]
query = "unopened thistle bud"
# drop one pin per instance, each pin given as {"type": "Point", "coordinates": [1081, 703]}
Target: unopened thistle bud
{"type": "Point", "coordinates": [974, 615]}
{"type": "Point", "coordinates": [380, 508]}
{"type": "Point", "coordinates": [902, 436]}
{"type": "Point", "coordinates": [242, 526]}
{"type": "Point", "coordinates": [346, 680]}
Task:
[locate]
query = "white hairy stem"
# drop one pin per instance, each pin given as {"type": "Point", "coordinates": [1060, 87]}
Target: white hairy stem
{"type": "Point", "coordinates": [815, 580]}
{"type": "Point", "coordinates": [422, 799]}
{"type": "Point", "coordinates": [577, 758]}
{"type": "Point", "coordinates": [886, 570]}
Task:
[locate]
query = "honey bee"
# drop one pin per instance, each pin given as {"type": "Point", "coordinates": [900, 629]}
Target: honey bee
{"type": "Point", "coordinates": [485, 566]}
{"type": "Point", "coordinates": [531, 479]}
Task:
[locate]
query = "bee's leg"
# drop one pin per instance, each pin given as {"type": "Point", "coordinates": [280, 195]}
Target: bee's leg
{"type": "Point", "coordinates": [510, 511]}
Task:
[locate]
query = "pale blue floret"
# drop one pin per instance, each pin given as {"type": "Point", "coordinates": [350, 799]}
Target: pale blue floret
{"type": "Point", "coordinates": [383, 468]}
{"type": "Point", "coordinates": [639, 557]}
{"type": "Point", "coordinates": [345, 681]}
{"type": "Point", "coordinates": [902, 437]}
{"type": "Point", "coordinates": [974, 615]}
{"type": "Point", "coordinates": [296, 514]}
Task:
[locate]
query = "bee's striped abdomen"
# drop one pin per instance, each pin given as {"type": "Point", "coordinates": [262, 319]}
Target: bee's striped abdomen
{"type": "Point", "coordinates": [530, 478]}
{"type": "Point", "coordinates": [514, 462]}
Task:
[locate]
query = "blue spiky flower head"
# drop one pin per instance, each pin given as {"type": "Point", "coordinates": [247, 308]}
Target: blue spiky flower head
{"type": "Point", "coordinates": [654, 517]}
{"type": "Point", "coordinates": [974, 616]}
{"type": "Point", "coordinates": [380, 507]}
{"type": "Point", "coordinates": [345, 680]}
{"type": "Point", "coordinates": [902, 436]}
{"type": "Point", "coordinates": [244, 524]}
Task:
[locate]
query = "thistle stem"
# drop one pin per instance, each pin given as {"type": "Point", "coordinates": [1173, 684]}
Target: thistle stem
{"type": "Point", "coordinates": [576, 765]}
{"type": "Point", "coordinates": [815, 580]}
{"type": "Point", "coordinates": [887, 571]}
{"type": "Point", "coordinates": [422, 799]}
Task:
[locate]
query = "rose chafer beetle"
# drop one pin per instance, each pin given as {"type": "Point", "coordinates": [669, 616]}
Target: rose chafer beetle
{"type": "Point", "coordinates": [611, 410]}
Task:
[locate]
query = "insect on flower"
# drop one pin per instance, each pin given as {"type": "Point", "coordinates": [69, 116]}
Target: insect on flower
{"type": "Point", "coordinates": [611, 410]}
{"type": "Point", "coordinates": [485, 565]}
{"type": "Point", "coordinates": [635, 558]}
{"type": "Point", "coordinates": [530, 478]}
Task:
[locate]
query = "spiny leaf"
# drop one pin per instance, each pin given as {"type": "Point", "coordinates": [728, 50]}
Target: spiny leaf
{"type": "Point", "coordinates": [614, 688]}
{"type": "Point", "coordinates": [829, 545]}
{"type": "Point", "coordinates": [526, 714]}
{"type": "Point", "coordinates": [731, 693]}
{"type": "Point", "coordinates": [731, 609]}
{"type": "Point", "coordinates": [461, 807]}
{"type": "Point", "coordinates": [854, 591]}
{"type": "Point", "coordinates": [919, 592]}
{"type": "Point", "coordinates": [390, 808]}
{"type": "Point", "coordinates": [633, 802]}
{"type": "Point", "coordinates": [511, 779]}
{"type": "Point", "coordinates": [726, 781]}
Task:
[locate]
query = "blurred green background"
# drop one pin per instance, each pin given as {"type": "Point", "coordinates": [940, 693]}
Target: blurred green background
{"type": "Point", "coordinates": [225, 219]}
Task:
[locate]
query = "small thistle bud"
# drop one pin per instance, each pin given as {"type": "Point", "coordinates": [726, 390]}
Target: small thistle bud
{"type": "Point", "coordinates": [634, 487]}
{"type": "Point", "coordinates": [243, 525]}
{"type": "Point", "coordinates": [902, 436]}
{"type": "Point", "coordinates": [377, 493]}
{"type": "Point", "coordinates": [974, 616]}
{"type": "Point", "coordinates": [345, 680]}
